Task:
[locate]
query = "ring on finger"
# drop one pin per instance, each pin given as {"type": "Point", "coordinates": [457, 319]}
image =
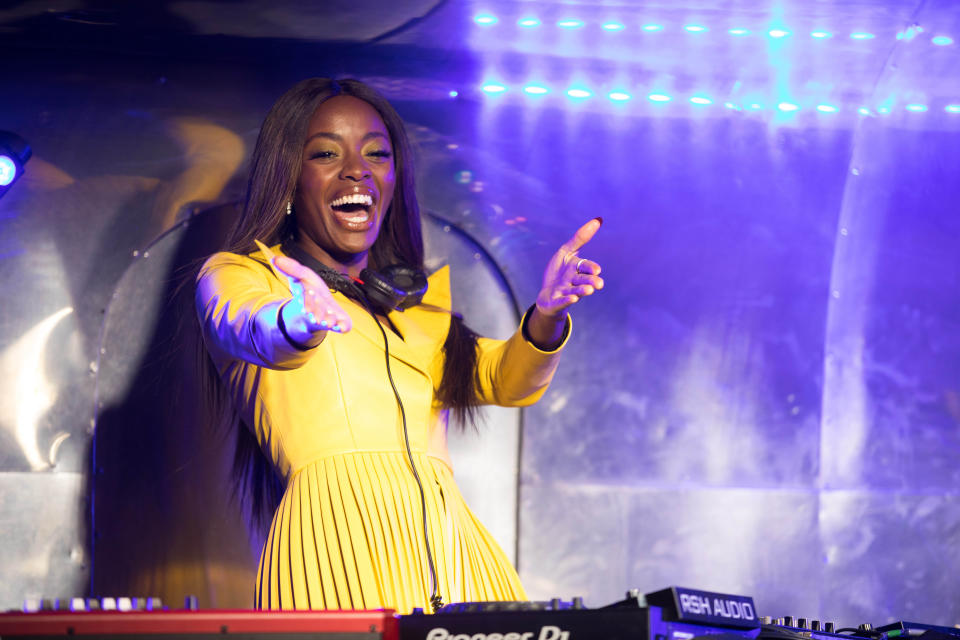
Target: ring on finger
{"type": "Point", "coordinates": [579, 263]}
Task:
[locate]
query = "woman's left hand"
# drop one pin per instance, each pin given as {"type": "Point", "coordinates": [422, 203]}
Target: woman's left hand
{"type": "Point", "coordinates": [568, 277]}
{"type": "Point", "coordinates": [567, 280]}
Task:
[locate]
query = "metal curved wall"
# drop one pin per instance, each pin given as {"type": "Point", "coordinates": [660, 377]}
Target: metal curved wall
{"type": "Point", "coordinates": [763, 399]}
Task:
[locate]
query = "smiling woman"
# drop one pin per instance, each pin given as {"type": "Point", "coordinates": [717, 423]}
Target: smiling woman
{"type": "Point", "coordinates": [346, 183]}
{"type": "Point", "coordinates": [338, 362]}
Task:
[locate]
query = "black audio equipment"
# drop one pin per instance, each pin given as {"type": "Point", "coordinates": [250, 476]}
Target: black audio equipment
{"type": "Point", "coordinates": [671, 614]}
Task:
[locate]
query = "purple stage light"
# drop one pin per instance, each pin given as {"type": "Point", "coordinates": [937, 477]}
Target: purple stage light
{"type": "Point", "coordinates": [941, 41]}
{"type": "Point", "coordinates": [659, 97]}
{"type": "Point", "coordinates": [862, 35]}
{"type": "Point", "coordinates": [695, 28]}
{"type": "Point", "coordinates": [952, 108]}
{"type": "Point", "coordinates": [619, 96]}
{"type": "Point", "coordinates": [614, 26]}
{"type": "Point", "coordinates": [579, 93]}
{"type": "Point", "coordinates": [528, 23]}
{"type": "Point", "coordinates": [778, 33]}
{"type": "Point", "coordinates": [739, 32]}
{"type": "Point", "coordinates": [701, 100]}
{"type": "Point", "coordinates": [827, 108]}
{"type": "Point", "coordinates": [570, 23]}
{"type": "Point", "coordinates": [485, 19]}
{"type": "Point", "coordinates": [493, 88]}
{"type": "Point", "coordinates": [916, 108]}
{"type": "Point", "coordinates": [787, 107]}
{"type": "Point", "coordinates": [821, 35]}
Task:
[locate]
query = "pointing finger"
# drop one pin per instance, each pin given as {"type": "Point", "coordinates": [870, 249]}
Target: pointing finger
{"type": "Point", "coordinates": [582, 236]}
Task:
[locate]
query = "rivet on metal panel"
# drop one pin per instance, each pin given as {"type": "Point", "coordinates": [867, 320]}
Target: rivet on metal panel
{"type": "Point", "coordinates": [135, 253]}
{"type": "Point", "coordinates": [836, 293]}
{"type": "Point", "coordinates": [76, 554]}
{"type": "Point", "coordinates": [146, 254]}
{"type": "Point", "coordinates": [855, 171]}
{"type": "Point", "coordinates": [844, 231]}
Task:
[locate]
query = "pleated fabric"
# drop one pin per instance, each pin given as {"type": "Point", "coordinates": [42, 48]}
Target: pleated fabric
{"type": "Point", "coordinates": [349, 534]}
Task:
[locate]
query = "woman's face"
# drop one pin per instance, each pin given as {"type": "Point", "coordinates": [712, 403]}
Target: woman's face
{"type": "Point", "coordinates": [346, 183]}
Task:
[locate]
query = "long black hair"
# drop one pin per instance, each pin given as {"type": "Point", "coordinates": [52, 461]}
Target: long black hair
{"type": "Point", "coordinates": [274, 173]}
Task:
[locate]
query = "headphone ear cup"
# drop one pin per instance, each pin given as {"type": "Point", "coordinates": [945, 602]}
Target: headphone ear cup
{"type": "Point", "coordinates": [395, 287]}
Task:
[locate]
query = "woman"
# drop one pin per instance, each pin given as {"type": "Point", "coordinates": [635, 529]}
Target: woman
{"type": "Point", "coordinates": [349, 399]}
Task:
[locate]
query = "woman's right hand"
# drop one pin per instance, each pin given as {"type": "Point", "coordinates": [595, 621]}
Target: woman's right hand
{"type": "Point", "coordinates": [312, 311]}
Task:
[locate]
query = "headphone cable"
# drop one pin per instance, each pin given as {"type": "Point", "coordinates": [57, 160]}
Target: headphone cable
{"type": "Point", "coordinates": [435, 600]}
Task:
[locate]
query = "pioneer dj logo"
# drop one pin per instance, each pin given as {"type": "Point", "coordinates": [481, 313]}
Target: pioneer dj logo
{"type": "Point", "coordinates": [547, 632]}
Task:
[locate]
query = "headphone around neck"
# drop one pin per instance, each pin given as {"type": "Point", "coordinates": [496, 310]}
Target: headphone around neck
{"type": "Point", "coordinates": [395, 287]}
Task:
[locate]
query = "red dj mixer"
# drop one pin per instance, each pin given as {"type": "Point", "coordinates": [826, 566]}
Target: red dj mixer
{"type": "Point", "coordinates": [194, 625]}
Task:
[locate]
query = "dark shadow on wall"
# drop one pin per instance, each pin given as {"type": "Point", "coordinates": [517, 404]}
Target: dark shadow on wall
{"type": "Point", "coordinates": [163, 522]}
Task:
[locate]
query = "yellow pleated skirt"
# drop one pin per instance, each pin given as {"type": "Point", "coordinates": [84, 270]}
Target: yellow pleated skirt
{"type": "Point", "coordinates": [349, 534]}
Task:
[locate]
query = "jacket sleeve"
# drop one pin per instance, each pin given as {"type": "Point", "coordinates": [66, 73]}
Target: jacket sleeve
{"type": "Point", "coordinates": [514, 372]}
{"type": "Point", "coordinates": [237, 301]}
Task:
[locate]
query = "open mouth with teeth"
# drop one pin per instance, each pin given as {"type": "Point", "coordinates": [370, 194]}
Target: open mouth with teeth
{"type": "Point", "coordinates": [354, 209]}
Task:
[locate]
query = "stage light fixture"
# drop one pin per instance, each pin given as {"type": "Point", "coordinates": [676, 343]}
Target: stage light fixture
{"type": "Point", "coordinates": [695, 28]}
{"type": "Point", "coordinates": [619, 96]}
{"type": "Point", "coordinates": [579, 94]}
{"type": "Point", "coordinates": [787, 106]}
{"type": "Point", "coordinates": [941, 41]}
{"type": "Point", "coordinates": [778, 33]}
{"type": "Point", "coordinates": [916, 108]}
{"type": "Point", "coordinates": [652, 27]}
{"type": "Point", "coordinates": [862, 35]}
{"type": "Point", "coordinates": [701, 100]}
{"type": "Point", "coordinates": [535, 90]}
{"type": "Point", "coordinates": [827, 108]}
{"type": "Point", "coordinates": [739, 32]}
{"type": "Point", "coordinates": [614, 26]}
{"type": "Point", "coordinates": [658, 97]}
{"type": "Point", "coordinates": [952, 108]}
{"type": "Point", "coordinates": [528, 23]}
{"type": "Point", "coordinates": [486, 19]}
{"type": "Point", "coordinates": [570, 23]}
{"type": "Point", "coordinates": [821, 35]}
{"type": "Point", "coordinates": [493, 88]}
{"type": "Point", "coordinates": [14, 154]}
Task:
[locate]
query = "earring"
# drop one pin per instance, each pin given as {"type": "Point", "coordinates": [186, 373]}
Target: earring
{"type": "Point", "coordinates": [289, 207]}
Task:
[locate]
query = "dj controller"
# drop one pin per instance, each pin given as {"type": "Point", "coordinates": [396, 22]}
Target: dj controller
{"type": "Point", "coordinates": [670, 614]}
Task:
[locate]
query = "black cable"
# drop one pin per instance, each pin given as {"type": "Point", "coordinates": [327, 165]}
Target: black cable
{"type": "Point", "coordinates": [435, 600]}
{"type": "Point", "coordinates": [352, 290]}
